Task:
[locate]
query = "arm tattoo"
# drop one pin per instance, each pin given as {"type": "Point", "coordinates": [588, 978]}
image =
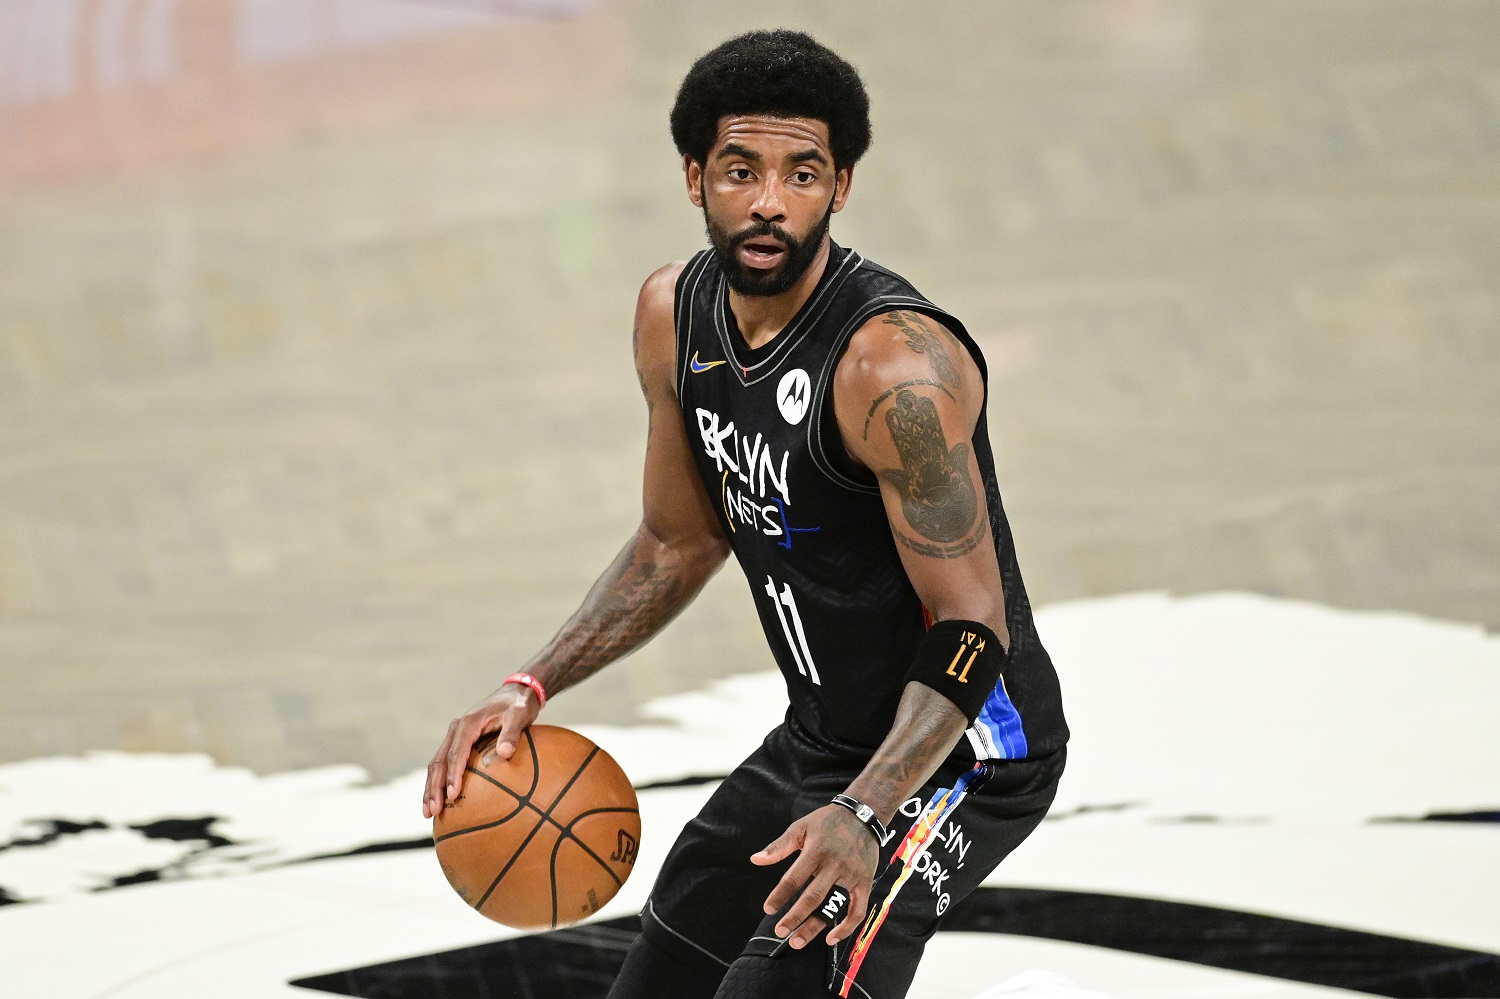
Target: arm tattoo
{"type": "Point", "coordinates": [633, 600]}
{"type": "Point", "coordinates": [892, 391]}
{"type": "Point", "coordinates": [937, 494]}
{"type": "Point", "coordinates": [927, 727]}
{"type": "Point", "coordinates": [921, 338]}
{"type": "Point", "coordinates": [955, 550]}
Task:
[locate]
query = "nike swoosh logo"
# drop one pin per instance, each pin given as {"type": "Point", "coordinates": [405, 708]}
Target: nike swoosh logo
{"type": "Point", "coordinates": [699, 368]}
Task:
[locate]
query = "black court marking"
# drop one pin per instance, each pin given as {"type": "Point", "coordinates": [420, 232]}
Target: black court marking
{"type": "Point", "coordinates": [1235, 941]}
{"type": "Point", "coordinates": [580, 962]}
{"type": "Point", "coordinates": [693, 780]}
{"type": "Point", "coordinates": [55, 829]}
{"type": "Point", "coordinates": [1487, 815]}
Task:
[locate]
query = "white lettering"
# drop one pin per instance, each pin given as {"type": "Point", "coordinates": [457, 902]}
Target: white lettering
{"type": "Point", "coordinates": [713, 441]}
{"type": "Point", "coordinates": [772, 528]}
{"type": "Point", "coordinates": [780, 483]}
{"type": "Point", "coordinates": [751, 449]}
{"type": "Point", "coordinates": [953, 839]}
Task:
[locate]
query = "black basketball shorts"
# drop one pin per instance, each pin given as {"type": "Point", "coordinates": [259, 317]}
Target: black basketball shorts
{"type": "Point", "coordinates": [706, 904]}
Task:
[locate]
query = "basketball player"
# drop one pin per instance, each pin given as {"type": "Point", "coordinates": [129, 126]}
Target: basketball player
{"type": "Point", "coordinates": [813, 414]}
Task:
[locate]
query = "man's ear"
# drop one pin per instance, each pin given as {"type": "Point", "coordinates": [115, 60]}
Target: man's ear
{"type": "Point", "coordinates": [693, 174]}
{"type": "Point", "coordinates": [842, 180]}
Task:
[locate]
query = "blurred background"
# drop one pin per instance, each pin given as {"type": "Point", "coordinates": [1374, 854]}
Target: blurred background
{"type": "Point", "coordinates": [317, 413]}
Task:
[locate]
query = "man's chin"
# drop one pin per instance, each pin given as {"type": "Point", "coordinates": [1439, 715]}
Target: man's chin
{"type": "Point", "coordinates": [760, 283]}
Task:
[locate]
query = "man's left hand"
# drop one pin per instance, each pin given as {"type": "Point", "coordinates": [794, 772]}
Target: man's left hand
{"type": "Point", "coordinates": [836, 849]}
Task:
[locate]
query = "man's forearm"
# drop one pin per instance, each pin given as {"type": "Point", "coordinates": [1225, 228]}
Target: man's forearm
{"type": "Point", "coordinates": [648, 583]}
{"type": "Point", "coordinates": [927, 727]}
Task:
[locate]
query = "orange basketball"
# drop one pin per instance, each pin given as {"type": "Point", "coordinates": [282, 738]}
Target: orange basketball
{"type": "Point", "coordinates": [543, 839]}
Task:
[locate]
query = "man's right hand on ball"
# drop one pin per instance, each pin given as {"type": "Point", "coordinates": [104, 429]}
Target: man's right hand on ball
{"type": "Point", "coordinates": [509, 711]}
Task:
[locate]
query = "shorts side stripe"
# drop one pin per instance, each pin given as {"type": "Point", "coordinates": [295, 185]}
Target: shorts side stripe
{"type": "Point", "coordinates": [912, 847]}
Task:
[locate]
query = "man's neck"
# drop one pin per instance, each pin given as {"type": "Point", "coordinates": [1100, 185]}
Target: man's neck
{"type": "Point", "coordinates": [762, 317]}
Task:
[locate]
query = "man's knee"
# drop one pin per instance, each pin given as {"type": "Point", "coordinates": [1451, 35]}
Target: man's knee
{"type": "Point", "coordinates": [791, 974]}
{"type": "Point", "coordinates": [652, 971]}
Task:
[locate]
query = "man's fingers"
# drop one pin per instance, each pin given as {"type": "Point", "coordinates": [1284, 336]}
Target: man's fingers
{"type": "Point", "coordinates": [429, 792]}
{"type": "Point", "coordinates": [791, 923]}
{"type": "Point", "coordinates": [461, 743]}
{"type": "Point", "coordinates": [792, 882]}
{"type": "Point", "coordinates": [437, 775]}
{"type": "Point", "coordinates": [854, 917]}
{"type": "Point", "coordinates": [512, 724]}
{"type": "Point", "coordinates": [780, 848]}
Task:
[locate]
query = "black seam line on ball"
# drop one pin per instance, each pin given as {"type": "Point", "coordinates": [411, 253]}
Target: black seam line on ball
{"type": "Point", "coordinates": [525, 799]}
{"type": "Point", "coordinates": [536, 772]}
{"type": "Point", "coordinates": [567, 833]}
{"type": "Point", "coordinates": [569, 785]}
{"type": "Point", "coordinates": [522, 805]}
{"type": "Point", "coordinates": [508, 865]}
{"type": "Point", "coordinates": [557, 846]}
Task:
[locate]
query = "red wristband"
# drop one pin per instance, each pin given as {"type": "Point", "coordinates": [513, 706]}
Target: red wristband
{"type": "Point", "coordinates": [527, 680]}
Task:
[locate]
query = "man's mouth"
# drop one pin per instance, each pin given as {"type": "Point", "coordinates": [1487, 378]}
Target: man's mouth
{"type": "Point", "coordinates": [761, 252]}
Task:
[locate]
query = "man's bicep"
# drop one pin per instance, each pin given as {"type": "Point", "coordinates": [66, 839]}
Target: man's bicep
{"type": "Point", "coordinates": [676, 507]}
{"type": "Point", "coordinates": [928, 478]}
{"type": "Point", "coordinates": [920, 447]}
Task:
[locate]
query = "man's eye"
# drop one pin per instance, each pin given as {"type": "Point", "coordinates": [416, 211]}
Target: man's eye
{"type": "Point", "coordinates": [739, 173]}
{"type": "Point", "coordinates": [804, 177]}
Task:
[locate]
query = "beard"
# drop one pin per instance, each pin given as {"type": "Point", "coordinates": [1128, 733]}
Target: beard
{"type": "Point", "coordinates": [756, 281]}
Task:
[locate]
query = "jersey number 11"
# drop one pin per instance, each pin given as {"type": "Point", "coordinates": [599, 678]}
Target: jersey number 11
{"type": "Point", "coordinates": [786, 606]}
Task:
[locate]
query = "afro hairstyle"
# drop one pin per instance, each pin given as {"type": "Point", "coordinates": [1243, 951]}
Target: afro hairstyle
{"type": "Point", "coordinates": [782, 73]}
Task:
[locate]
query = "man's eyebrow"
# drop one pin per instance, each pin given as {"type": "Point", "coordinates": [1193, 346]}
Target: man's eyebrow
{"type": "Point", "coordinates": [734, 149]}
{"type": "Point", "coordinates": [809, 156]}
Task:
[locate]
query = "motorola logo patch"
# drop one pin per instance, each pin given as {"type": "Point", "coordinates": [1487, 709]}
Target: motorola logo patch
{"type": "Point", "coordinates": [793, 394]}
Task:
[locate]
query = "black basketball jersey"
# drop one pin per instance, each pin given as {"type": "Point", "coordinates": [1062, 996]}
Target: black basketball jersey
{"type": "Point", "coordinates": [808, 526]}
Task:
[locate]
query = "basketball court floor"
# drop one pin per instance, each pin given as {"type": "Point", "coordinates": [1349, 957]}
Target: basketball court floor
{"type": "Point", "coordinates": [317, 416]}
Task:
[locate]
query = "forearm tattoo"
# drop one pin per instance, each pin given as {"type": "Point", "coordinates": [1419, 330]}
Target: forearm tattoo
{"type": "Point", "coordinates": [633, 600]}
{"type": "Point", "coordinates": [926, 729]}
{"type": "Point", "coordinates": [937, 493]}
{"type": "Point", "coordinates": [923, 339]}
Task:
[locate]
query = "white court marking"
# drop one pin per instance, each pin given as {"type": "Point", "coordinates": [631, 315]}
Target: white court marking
{"type": "Point", "coordinates": [1248, 741]}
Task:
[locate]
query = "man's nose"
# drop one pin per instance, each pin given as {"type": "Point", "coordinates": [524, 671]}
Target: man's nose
{"type": "Point", "coordinates": [770, 205]}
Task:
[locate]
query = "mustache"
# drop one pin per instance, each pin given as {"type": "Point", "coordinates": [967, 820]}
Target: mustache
{"type": "Point", "coordinates": [763, 229]}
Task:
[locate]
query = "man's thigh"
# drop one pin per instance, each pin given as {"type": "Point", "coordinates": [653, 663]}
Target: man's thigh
{"type": "Point", "coordinates": [705, 908]}
{"type": "Point", "coordinates": [708, 896]}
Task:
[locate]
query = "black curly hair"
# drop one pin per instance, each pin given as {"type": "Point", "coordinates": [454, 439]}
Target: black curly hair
{"type": "Point", "coordinates": [783, 73]}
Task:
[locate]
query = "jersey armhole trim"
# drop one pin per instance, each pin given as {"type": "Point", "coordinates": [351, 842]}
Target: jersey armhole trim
{"type": "Point", "coordinates": [682, 314]}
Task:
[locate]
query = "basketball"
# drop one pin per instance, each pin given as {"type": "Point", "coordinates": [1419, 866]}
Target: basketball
{"type": "Point", "coordinates": [543, 839]}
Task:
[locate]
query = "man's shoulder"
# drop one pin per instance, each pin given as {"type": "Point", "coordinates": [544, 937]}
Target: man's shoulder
{"type": "Point", "coordinates": [662, 282]}
{"type": "Point", "coordinates": [656, 303]}
{"type": "Point", "coordinates": [907, 347]}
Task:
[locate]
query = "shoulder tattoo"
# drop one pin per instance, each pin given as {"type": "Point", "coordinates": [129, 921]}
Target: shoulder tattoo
{"type": "Point", "coordinates": [923, 339]}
